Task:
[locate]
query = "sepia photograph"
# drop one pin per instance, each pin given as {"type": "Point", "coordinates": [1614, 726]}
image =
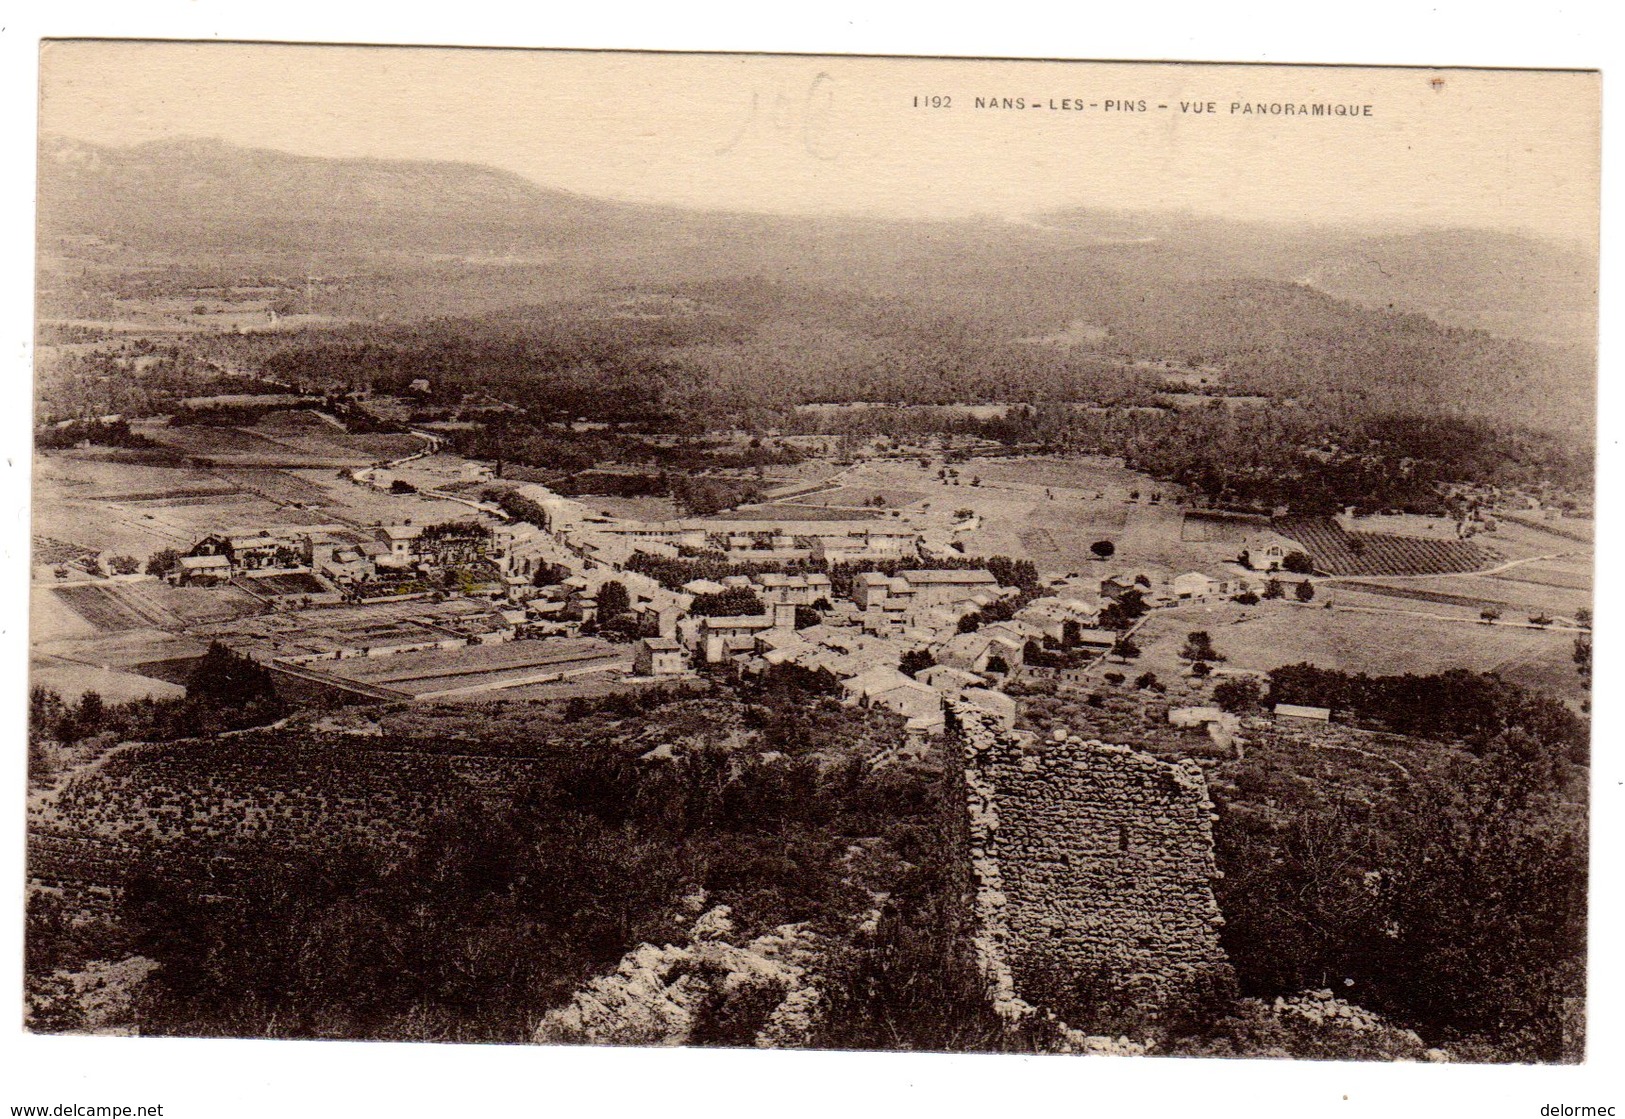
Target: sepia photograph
{"type": "Point", "coordinates": [547, 547]}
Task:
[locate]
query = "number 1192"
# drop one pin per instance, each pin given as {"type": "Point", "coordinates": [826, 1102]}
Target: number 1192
{"type": "Point", "coordinates": [934, 101]}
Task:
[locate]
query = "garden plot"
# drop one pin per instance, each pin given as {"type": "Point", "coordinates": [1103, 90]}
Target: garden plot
{"type": "Point", "coordinates": [145, 604]}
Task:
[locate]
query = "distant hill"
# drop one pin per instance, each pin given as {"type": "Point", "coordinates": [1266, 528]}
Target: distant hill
{"type": "Point", "coordinates": [1478, 323]}
{"type": "Point", "coordinates": [192, 194]}
{"type": "Point", "coordinates": [1509, 285]}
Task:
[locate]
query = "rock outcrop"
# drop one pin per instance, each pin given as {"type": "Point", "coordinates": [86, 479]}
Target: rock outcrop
{"type": "Point", "coordinates": [707, 992]}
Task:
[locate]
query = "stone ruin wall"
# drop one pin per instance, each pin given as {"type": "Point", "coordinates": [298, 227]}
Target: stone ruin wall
{"type": "Point", "coordinates": [1082, 861]}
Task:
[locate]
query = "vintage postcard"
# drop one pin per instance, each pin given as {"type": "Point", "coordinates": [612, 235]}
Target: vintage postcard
{"type": "Point", "coordinates": [611, 548]}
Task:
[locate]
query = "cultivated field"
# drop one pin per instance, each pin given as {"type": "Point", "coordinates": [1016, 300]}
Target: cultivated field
{"type": "Point", "coordinates": [1513, 597]}
{"type": "Point", "coordinates": [1048, 510]}
{"type": "Point", "coordinates": [1401, 639]}
{"type": "Point", "coordinates": [1339, 552]}
{"type": "Point", "coordinates": [282, 442]}
{"type": "Point", "coordinates": [110, 606]}
{"type": "Point", "coordinates": [864, 496]}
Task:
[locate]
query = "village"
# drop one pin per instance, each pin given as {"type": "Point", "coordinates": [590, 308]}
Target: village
{"type": "Point", "coordinates": [484, 588]}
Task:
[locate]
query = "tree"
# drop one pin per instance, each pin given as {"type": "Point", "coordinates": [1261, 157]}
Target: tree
{"type": "Point", "coordinates": [916, 661]}
{"type": "Point", "coordinates": [733, 602]}
{"type": "Point", "coordinates": [1490, 615]}
{"type": "Point", "coordinates": [229, 688]}
{"type": "Point", "coordinates": [970, 623]}
{"type": "Point", "coordinates": [1147, 681]}
{"type": "Point", "coordinates": [998, 664]}
{"type": "Point", "coordinates": [1201, 668]}
{"type": "Point", "coordinates": [622, 627]}
{"type": "Point", "coordinates": [549, 574]}
{"type": "Point", "coordinates": [1125, 649]}
{"type": "Point", "coordinates": [806, 616]}
{"type": "Point", "coordinates": [1103, 549]}
{"type": "Point", "coordinates": [124, 565]}
{"type": "Point", "coordinates": [402, 486]}
{"type": "Point", "coordinates": [1582, 618]}
{"type": "Point", "coordinates": [1273, 589]}
{"type": "Point", "coordinates": [1305, 591]}
{"type": "Point", "coordinates": [163, 561]}
{"type": "Point", "coordinates": [91, 714]}
{"type": "Point", "coordinates": [613, 600]}
{"type": "Point", "coordinates": [1123, 613]}
{"type": "Point", "coordinates": [1241, 693]}
{"type": "Point", "coordinates": [1298, 563]}
{"type": "Point", "coordinates": [1199, 647]}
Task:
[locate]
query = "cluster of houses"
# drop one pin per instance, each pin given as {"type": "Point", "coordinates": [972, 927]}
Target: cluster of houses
{"type": "Point", "coordinates": [343, 556]}
{"type": "Point", "coordinates": [860, 642]}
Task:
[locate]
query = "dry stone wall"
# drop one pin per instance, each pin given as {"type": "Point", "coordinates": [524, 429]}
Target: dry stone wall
{"type": "Point", "coordinates": [1087, 871]}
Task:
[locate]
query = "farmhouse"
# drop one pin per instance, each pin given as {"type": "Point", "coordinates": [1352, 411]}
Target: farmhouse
{"type": "Point", "coordinates": [658, 656]}
{"type": "Point", "coordinates": [1058, 618]}
{"type": "Point", "coordinates": [886, 687]}
{"type": "Point", "coordinates": [949, 587]}
{"type": "Point", "coordinates": [1115, 587]}
{"type": "Point", "coordinates": [202, 571]}
{"type": "Point", "coordinates": [1197, 585]}
{"type": "Point", "coordinates": [245, 551]}
{"type": "Point", "coordinates": [908, 589]}
{"type": "Point", "coordinates": [975, 652]}
{"type": "Point", "coordinates": [799, 590]}
{"type": "Point", "coordinates": [720, 636]}
{"type": "Point", "coordinates": [402, 542]}
{"type": "Point", "coordinates": [1267, 551]}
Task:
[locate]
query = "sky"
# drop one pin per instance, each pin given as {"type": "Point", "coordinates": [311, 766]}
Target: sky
{"type": "Point", "coordinates": [1514, 150]}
